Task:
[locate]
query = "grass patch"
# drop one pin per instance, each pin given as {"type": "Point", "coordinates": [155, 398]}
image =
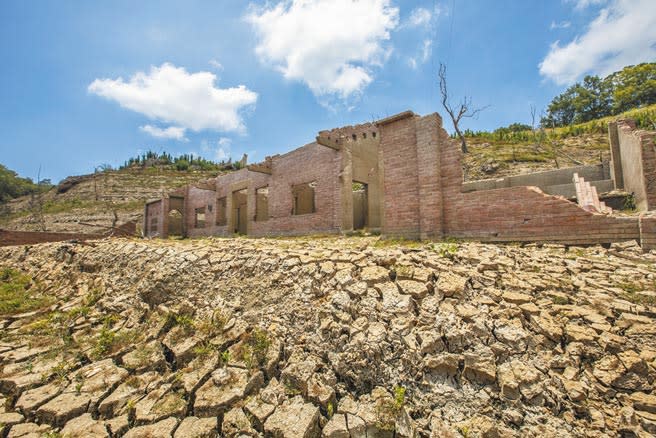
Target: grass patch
{"type": "Point", "coordinates": [19, 293]}
{"type": "Point", "coordinates": [391, 243]}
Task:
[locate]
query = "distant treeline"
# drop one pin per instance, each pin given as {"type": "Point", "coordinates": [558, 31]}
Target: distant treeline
{"type": "Point", "coordinates": [182, 162]}
{"type": "Point", "coordinates": [632, 87]}
{"type": "Point", "coordinates": [12, 186]}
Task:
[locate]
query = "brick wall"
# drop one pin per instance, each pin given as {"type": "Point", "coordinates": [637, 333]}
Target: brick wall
{"type": "Point", "coordinates": [398, 163]}
{"type": "Point", "coordinates": [9, 238]}
{"type": "Point", "coordinates": [637, 154]}
{"type": "Point", "coordinates": [416, 204]}
{"type": "Point", "coordinates": [648, 232]}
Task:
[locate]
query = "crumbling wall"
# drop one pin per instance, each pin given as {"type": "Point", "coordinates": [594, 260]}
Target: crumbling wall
{"type": "Point", "coordinates": [153, 219]}
{"type": "Point", "coordinates": [417, 205]}
{"type": "Point", "coordinates": [637, 158]}
{"type": "Point", "coordinates": [310, 163]}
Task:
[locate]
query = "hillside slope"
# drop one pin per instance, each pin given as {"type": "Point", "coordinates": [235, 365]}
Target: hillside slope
{"type": "Point", "coordinates": [340, 337]}
{"type": "Point", "coordinates": [93, 199]}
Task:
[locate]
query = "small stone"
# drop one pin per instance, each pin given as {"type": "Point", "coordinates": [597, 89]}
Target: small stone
{"type": "Point", "coordinates": [163, 428]}
{"type": "Point", "coordinates": [84, 426]}
{"type": "Point", "coordinates": [336, 427]}
{"type": "Point", "coordinates": [294, 419]}
{"type": "Point", "coordinates": [197, 427]}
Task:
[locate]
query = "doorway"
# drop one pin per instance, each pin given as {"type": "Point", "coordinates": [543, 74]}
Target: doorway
{"type": "Point", "coordinates": [240, 211]}
{"type": "Point", "coordinates": [360, 202]}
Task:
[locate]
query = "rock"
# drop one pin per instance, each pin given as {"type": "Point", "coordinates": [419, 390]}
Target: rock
{"type": "Point", "coordinates": [297, 374]}
{"type": "Point", "coordinates": [8, 419]}
{"type": "Point", "coordinates": [235, 423]}
{"type": "Point", "coordinates": [132, 390]}
{"type": "Point", "coordinates": [28, 430]}
{"type": "Point", "coordinates": [259, 411]}
{"type": "Point", "coordinates": [84, 426]}
{"type": "Point", "coordinates": [90, 384]}
{"type": "Point", "coordinates": [181, 344]}
{"type": "Point", "coordinates": [416, 289]}
{"type": "Point", "coordinates": [149, 357]}
{"type": "Point", "coordinates": [30, 400]}
{"type": "Point", "coordinates": [117, 426]}
{"type": "Point", "coordinates": [374, 274]}
{"type": "Point", "coordinates": [163, 428]}
{"type": "Point", "coordinates": [197, 427]}
{"type": "Point", "coordinates": [294, 419]}
{"type": "Point", "coordinates": [336, 427]}
{"type": "Point", "coordinates": [158, 404]}
{"type": "Point", "coordinates": [446, 364]}
{"type": "Point", "coordinates": [480, 366]}
{"type": "Point", "coordinates": [225, 387]}
{"type": "Point", "coordinates": [644, 402]}
{"type": "Point", "coordinates": [451, 284]}
{"type": "Point", "coordinates": [516, 298]}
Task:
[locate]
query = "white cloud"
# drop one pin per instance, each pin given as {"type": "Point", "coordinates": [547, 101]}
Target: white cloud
{"type": "Point", "coordinates": [582, 4]}
{"type": "Point", "coordinates": [560, 25]}
{"type": "Point", "coordinates": [216, 64]}
{"type": "Point", "coordinates": [419, 17]}
{"type": "Point", "coordinates": [624, 33]}
{"type": "Point", "coordinates": [173, 132]}
{"type": "Point", "coordinates": [187, 100]}
{"type": "Point", "coordinates": [219, 152]}
{"type": "Point", "coordinates": [423, 56]}
{"type": "Point", "coordinates": [330, 45]}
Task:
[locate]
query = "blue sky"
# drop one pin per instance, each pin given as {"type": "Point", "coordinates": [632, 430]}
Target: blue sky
{"type": "Point", "coordinates": [90, 83]}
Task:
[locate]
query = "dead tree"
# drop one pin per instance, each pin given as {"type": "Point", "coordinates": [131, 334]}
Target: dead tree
{"type": "Point", "coordinates": [464, 110]}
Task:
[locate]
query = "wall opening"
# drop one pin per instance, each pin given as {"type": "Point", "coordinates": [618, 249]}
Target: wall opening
{"type": "Point", "coordinates": [262, 204]}
{"type": "Point", "coordinates": [221, 216]}
{"type": "Point", "coordinates": [303, 196]}
{"type": "Point", "coordinates": [240, 211]}
{"type": "Point", "coordinates": [175, 223]}
{"type": "Point", "coordinates": [153, 226]}
{"type": "Point", "coordinates": [199, 220]}
{"type": "Point", "coordinates": [360, 203]}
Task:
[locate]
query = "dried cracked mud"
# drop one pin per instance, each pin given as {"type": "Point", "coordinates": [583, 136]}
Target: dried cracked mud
{"type": "Point", "coordinates": [330, 337]}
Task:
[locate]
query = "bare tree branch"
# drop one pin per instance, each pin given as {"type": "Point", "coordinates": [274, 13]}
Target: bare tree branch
{"type": "Point", "coordinates": [464, 110]}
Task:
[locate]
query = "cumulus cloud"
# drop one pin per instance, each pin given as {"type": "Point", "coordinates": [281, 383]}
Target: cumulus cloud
{"type": "Point", "coordinates": [623, 33]}
{"type": "Point", "coordinates": [330, 45]}
{"type": "Point", "coordinates": [187, 100]}
{"type": "Point", "coordinates": [172, 132]}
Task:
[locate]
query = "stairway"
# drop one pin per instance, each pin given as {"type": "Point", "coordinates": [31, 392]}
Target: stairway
{"type": "Point", "coordinates": [587, 197]}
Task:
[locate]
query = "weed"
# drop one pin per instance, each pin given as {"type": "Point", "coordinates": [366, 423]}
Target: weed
{"type": "Point", "coordinates": [639, 298]}
{"type": "Point", "coordinates": [399, 397]}
{"type": "Point", "coordinates": [447, 249]}
{"type": "Point", "coordinates": [19, 294]}
{"type": "Point", "coordinates": [259, 344]}
{"type": "Point", "coordinates": [204, 349]}
{"type": "Point", "coordinates": [330, 410]}
{"type": "Point", "coordinates": [388, 409]}
{"type": "Point", "coordinates": [225, 357]}
{"type": "Point", "coordinates": [630, 288]}
{"type": "Point", "coordinates": [560, 301]}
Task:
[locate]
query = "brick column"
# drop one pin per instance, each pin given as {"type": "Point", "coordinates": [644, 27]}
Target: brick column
{"type": "Point", "coordinates": [428, 175]}
{"type": "Point", "coordinates": [615, 156]}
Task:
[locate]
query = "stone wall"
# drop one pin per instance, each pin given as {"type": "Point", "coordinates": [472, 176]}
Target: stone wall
{"type": "Point", "coordinates": [637, 158]}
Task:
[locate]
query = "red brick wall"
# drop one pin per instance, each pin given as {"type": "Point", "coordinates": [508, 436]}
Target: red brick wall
{"type": "Point", "coordinates": [309, 163]}
{"type": "Point", "coordinates": [154, 210]}
{"type": "Point", "coordinates": [312, 162]}
{"type": "Point", "coordinates": [8, 238]}
{"type": "Point", "coordinates": [648, 232]}
{"type": "Point", "coordinates": [416, 204]}
{"type": "Point", "coordinates": [398, 157]}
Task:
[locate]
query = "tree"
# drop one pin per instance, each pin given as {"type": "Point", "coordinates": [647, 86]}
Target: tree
{"type": "Point", "coordinates": [463, 110]}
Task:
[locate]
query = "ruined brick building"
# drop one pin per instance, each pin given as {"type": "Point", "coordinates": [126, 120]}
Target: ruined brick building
{"type": "Point", "coordinates": [402, 176]}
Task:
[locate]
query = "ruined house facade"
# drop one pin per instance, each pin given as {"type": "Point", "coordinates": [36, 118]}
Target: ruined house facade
{"type": "Point", "coordinates": [403, 176]}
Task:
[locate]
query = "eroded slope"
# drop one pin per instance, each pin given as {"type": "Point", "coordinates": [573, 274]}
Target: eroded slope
{"type": "Point", "coordinates": [332, 337]}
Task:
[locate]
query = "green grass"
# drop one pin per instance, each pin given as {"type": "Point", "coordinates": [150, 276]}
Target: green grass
{"type": "Point", "coordinates": [19, 293]}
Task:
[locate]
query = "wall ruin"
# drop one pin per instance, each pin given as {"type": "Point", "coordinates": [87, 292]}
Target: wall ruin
{"type": "Point", "coordinates": [408, 182]}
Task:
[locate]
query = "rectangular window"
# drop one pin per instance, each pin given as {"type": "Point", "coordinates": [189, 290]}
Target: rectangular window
{"type": "Point", "coordinates": [200, 218]}
{"type": "Point", "coordinates": [221, 216]}
{"type": "Point", "coordinates": [262, 204]}
{"type": "Point", "coordinates": [303, 197]}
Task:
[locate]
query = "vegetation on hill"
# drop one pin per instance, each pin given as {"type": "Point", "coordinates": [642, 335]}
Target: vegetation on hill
{"type": "Point", "coordinates": [632, 87]}
{"type": "Point", "coordinates": [12, 186]}
{"type": "Point", "coordinates": [181, 163]}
